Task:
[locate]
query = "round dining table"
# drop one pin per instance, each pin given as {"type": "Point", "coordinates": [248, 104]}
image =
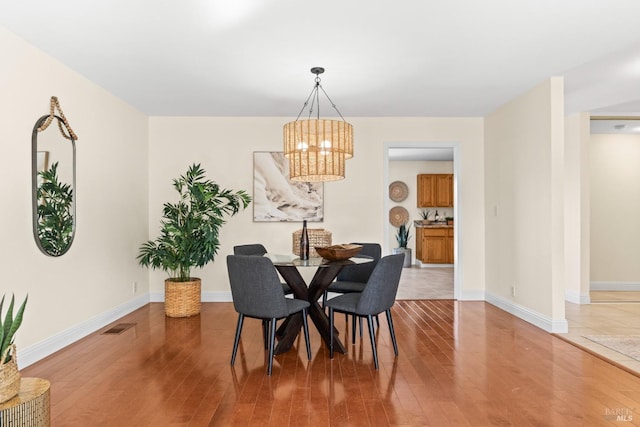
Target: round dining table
{"type": "Point", "coordinates": [325, 272]}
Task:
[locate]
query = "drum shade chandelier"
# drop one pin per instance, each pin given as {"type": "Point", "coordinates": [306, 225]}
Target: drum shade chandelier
{"type": "Point", "coordinates": [317, 148]}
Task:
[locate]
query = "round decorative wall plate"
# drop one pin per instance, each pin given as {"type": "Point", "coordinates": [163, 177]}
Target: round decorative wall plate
{"type": "Point", "coordinates": [398, 216]}
{"type": "Point", "coordinates": [398, 191]}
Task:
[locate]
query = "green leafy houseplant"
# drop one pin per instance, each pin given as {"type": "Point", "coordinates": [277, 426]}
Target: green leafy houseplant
{"type": "Point", "coordinates": [403, 235]}
{"type": "Point", "coordinates": [190, 227]}
{"type": "Point", "coordinates": [10, 325]}
{"type": "Point", "coordinates": [55, 219]}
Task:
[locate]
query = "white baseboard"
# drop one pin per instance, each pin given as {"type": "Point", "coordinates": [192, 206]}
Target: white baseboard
{"type": "Point", "coordinates": [420, 264]}
{"type": "Point", "coordinates": [554, 326]}
{"type": "Point", "coordinates": [614, 286]}
{"type": "Point", "coordinates": [577, 298]}
{"type": "Point", "coordinates": [472, 295]}
{"type": "Point", "coordinates": [36, 352]}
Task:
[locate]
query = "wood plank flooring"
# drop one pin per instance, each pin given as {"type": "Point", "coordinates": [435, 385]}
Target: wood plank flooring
{"type": "Point", "coordinates": [460, 364]}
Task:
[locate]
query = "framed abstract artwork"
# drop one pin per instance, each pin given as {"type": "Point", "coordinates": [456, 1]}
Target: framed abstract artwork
{"type": "Point", "coordinates": [276, 198]}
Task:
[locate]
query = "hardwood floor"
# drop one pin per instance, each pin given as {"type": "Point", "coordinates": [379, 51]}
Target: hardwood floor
{"type": "Point", "coordinates": [460, 364]}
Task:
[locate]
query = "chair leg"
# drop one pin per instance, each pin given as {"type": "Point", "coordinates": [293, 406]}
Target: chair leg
{"type": "Point", "coordinates": [373, 340]}
{"type": "Point", "coordinates": [353, 328]}
{"type": "Point", "coordinates": [265, 333]}
{"type": "Point", "coordinates": [361, 327]}
{"type": "Point", "coordinates": [272, 339]}
{"type": "Point", "coordinates": [305, 326]}
{"type": "Point", "coordinates": [393, 333]}
{"type": "Point", "coordinates": [331, 332]}
{"type": "Point", "coordinates": [237, 339]}
{"type": "Point", "coordinates": [324, 299]}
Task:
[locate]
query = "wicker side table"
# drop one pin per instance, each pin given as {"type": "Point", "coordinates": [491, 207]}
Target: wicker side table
{"type": "Point", "coordinates": [30, 408]}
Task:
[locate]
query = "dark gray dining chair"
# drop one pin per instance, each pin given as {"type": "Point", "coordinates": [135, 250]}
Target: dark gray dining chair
{"type": "Point", "coordinates": [353, 278]}
{"type": "Point", "coordinates": [256, 293]}
{"type": "Point", "coordinates": [378, 296]}
{"type": "Point", "coordinates": [258, 249]}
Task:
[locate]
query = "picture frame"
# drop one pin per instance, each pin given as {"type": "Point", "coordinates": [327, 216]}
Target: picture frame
{"type": "Point", "coordinates": [278, 199]}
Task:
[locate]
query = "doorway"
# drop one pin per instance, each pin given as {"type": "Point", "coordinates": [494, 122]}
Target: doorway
{"type": "Point", "coordinates": [417, 152]}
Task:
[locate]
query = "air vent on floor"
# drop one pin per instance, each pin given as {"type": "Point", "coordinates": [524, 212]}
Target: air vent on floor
{"type": "Point", "coordinates": [118, 329]}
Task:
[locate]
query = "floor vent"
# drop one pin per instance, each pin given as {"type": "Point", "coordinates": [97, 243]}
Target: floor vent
{"type": "Point", "coordinates": [118, 329]}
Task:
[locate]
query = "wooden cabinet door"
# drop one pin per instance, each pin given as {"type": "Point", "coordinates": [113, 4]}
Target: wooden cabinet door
{"type": "Point", "coordinates": [436, 249]}
{"type": "Point", "coordinates": [433, 246]}
{"type": "Point", "coordinates": [444, 190]}
{"type": "Point", "coordinates": [426, 190]}
{"type": "Point", "coordinates": [435, 190]}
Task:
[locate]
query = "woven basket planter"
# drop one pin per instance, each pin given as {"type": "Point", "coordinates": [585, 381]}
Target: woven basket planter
{"type": "Point", "coordinates": [317, 237]}
{"type": "Point", "coordinates": [182, 299]}
{"type": "Point", "coordinates": [9, 375]}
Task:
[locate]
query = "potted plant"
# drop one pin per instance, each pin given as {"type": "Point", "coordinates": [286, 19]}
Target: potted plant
{"type": "Point", "coordinates": [424, 214]}
{"type": "Point", "coordinates": [9, 374]}
{"type": "Point", "coordinates": [189, 237]}
{"type": "Point", "coordinates": [403, 237]}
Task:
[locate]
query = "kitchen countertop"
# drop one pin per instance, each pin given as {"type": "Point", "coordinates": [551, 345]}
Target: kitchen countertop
{"type": "Point", "coordinates": [432, 225]}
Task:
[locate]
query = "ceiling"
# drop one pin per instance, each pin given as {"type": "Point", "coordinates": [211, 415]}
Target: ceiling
{"type": "Point", "coordinates": [383, 58]}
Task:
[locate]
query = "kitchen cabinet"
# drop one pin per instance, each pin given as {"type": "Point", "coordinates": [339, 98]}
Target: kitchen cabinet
{"type": "Point", "coordinates": [435, 190]}
{"type": "Point", "coordinates": [434, 245]}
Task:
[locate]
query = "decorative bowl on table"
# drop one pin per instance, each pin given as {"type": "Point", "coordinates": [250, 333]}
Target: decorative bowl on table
{"type": "Point", "coordinates": [338, 252]}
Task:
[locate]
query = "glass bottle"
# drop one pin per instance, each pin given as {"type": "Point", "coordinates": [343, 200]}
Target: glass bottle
{"type": "Point", "coordinates": [304, 242]}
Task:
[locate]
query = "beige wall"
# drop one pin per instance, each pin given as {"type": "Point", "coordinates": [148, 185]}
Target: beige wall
{"type": "Point", "coordinates": [615, 209]}
{"type": "Point", "coordinates": [524, 177]}
{"type": "Point", "coordinates": [576, 231]}
{"type": "Point", "coordinates": [95, 276]}
{"type": "Point", "coordinates": [354, 207]}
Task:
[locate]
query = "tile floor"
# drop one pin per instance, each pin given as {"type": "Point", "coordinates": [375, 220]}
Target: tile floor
{"type": "Point", "coordinates": [620, 318]}
{"type": "Point", "coordinates": [426, 283]}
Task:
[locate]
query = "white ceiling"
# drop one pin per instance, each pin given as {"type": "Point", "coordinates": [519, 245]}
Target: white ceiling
{"type": "Point", "coordinates": [383, 57]}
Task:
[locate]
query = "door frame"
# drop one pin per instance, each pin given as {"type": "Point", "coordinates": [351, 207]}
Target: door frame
{"type": "Point", "coordinates": [457, 207]}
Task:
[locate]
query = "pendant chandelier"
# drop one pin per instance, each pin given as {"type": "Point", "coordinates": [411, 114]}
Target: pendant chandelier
{"type": "Point", "coordinates": [317, 148]}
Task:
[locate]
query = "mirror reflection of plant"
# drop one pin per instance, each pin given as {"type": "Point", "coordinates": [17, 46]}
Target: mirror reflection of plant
{"type": "Point", "coordinates": [55, 219]}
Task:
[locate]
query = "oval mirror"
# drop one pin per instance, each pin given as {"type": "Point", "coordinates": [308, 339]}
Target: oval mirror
{"type": "Point", "coordinates": [53, 185]}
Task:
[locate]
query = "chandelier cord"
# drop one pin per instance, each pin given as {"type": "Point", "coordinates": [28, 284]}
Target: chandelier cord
{"type": "Point", "coordinates": [316, 101]}
{"type": "Point", "coordinates": [306, 102]}
{"type": "Point", "coordinates": [332, 104]}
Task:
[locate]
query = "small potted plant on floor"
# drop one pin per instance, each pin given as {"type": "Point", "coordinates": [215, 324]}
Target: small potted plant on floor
{"type": "Point", "coordinates": [189, 237]}
{"type": "Point", "coordinates": [403, 237]}
{"type": "Point", "coordinates": [9, 374]}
